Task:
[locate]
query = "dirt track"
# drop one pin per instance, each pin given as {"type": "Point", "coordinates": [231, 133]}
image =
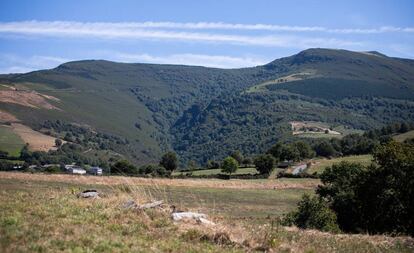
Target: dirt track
{"type": "Point", "coordinates": [209, 183]}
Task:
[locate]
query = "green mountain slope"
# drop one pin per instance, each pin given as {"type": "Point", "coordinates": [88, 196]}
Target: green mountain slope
{"type": "Point", "coordinates": [204, 113]}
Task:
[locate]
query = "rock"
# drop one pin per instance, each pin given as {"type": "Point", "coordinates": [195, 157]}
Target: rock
{"type": "Point", "coordinates": [89, 194]}
{"type": "Point", "coordinates": [187, 215]}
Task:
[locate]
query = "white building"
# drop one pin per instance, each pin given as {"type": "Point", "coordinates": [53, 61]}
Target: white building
{"type": "Point", "coordinates": [76, 170]}
{"type": "Point", "coordinates": [96, 171]}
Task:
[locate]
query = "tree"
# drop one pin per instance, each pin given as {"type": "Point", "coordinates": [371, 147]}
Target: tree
{"type": "Point", "coordinates": [58, 142]}
{"type": "Point", "coordinates": [237, 155]}
{"type": "Point", "coordinates": [264, 163]}
{"type": "Point", "coordinates": [229, 165]}
{"type": "Point", "coordinates": [325, 148]}
{"type": "Point", "coordinates": [338, 187]}
{"type": "Point", "coordinates": [304, 149]}
{"type": "Point", "coordinates": [289, 152]}
{"type": "Point", "coordinates": [169, 161]}
{"type": "Point", "coordinates": [276, 150]}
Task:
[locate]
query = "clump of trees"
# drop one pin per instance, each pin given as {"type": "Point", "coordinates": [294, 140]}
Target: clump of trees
{"type": "Point", "coordinates": [375, 199]}
{"type": "Point", "coordinates": [291, 151]}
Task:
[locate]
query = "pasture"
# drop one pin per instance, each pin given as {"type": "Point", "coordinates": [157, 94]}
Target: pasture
{"type": "Point", "coordinates": [320, 164]}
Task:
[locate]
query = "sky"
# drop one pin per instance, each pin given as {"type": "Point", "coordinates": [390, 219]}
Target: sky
{"type": "Point", "coordinates": [227, 33]}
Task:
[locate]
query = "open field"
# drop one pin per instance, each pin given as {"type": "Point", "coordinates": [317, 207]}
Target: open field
{"type": "Point", "coordinates": [264, 184]}
{"type": "Point", "coordinates": [46, 216]}
{"type": "Point", "coordinates": [321, 164]}
{"type": "Point", "coordinates": [404, 136]}
{"type": "Point", "coordinates": [10, 141]}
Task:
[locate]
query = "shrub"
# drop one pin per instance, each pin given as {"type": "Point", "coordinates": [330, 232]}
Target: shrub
{"type": "Point", "coordinates": [312, 213]}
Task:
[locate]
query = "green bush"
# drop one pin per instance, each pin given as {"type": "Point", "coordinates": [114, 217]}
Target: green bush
{"type": "Point", "coordinates": [312, 213]}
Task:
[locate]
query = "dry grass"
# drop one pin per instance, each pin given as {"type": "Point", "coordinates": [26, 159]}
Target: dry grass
{"type": "Point", "coordinates": [40, 217]}
{"type": "Point", "coordinates": [26, 98]}
{"type": "Point", "coordinates": [37, 141]}
{"type": "Point", "coordinates": [198, 183]}
{"type": "Point", "coordinates": [6, 117]}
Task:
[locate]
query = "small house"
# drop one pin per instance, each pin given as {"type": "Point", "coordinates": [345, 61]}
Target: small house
{"type": "Point", "coordinates": [76, 170]}
{"type": "Point", "coordinates": [96, 171]}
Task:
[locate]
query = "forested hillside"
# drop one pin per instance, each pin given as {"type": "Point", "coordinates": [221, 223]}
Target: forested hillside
{"type": "Point", "coordinates": [206, 113]}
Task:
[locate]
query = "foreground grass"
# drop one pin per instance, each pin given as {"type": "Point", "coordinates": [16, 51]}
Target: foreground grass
{"type": "Point", "coordinates": [38, 216]}
{"type": "Point", "coordinates": [321, 164]}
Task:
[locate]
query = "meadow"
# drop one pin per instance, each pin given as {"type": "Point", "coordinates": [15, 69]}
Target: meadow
{"type": "Point", "coordinates": [41, 213]}
{"type": "Point", "coordinates": [320, 164]}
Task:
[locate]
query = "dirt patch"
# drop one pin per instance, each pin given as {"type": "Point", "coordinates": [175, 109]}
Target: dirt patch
{"type": "Point", "coordinates": [209, 183]}
{"type": "Point", "coordinates": [6, 117]}
{"type": "Point", "coordinates": [31, 99]}
{"type": "Point", "coordinates": [37, 141]}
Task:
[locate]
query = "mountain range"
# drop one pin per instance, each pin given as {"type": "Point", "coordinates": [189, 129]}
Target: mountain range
{"type": "Point", "coordinates": [205, 113]}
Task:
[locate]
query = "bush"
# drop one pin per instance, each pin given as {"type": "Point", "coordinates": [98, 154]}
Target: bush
{"type": "Point", "coordinates": [312, 213]}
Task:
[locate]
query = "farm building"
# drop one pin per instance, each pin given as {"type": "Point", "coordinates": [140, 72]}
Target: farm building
{"type": "Point", "coordinates": [95, 171]}
{"type": "Point", "coordinates": [76, 170]}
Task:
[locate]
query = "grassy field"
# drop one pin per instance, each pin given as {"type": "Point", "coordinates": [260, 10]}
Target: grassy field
{"type": "Point", "coordinates": [404, 136]}
{"type": "Point", "coordinates": [46, 216]}
{"type": "Point", "coordinates": [10, 142]}
{"type": "Point", "coordinates": [321, 164]}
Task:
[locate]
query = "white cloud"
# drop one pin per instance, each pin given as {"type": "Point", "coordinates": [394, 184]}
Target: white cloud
{"type": "Point", "coordinates": [121, 28]}
{"type": "Point", "coordinates": [137, 31]}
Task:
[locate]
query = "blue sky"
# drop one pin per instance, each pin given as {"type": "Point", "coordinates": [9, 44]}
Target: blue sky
{"type": "Point", "coordinates": [43, 34]}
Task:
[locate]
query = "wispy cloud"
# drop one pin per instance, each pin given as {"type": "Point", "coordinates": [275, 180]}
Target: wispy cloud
{"type": "Point", "coordinates": [46, 27]}
{"type": "Point", "coordinates": [141, 31]}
